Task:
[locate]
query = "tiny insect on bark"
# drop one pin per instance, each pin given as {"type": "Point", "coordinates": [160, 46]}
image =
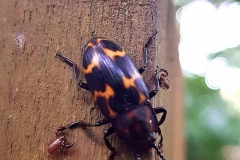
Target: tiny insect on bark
{"type": "Point", "coordinates": [58, 144]}
{"type": "Point", "coordinates": [121, 95]}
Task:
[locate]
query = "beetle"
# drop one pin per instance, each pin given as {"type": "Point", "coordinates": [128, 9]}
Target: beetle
{"type": "Point", "coordinates": [121, 95]}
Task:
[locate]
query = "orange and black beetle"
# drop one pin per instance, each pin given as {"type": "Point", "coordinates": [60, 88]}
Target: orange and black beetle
{"type": "Point", "coordinates": [121, 95]}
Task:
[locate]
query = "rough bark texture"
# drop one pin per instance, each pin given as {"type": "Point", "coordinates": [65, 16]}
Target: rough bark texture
{"type": "Point", "coordinates": [38, 92]}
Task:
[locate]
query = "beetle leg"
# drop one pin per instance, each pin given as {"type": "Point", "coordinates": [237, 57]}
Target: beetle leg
{"type": "Point", "coordinates": [80, 123]}
{"type": "Point", "coordinates": [75, 70]}
{"type": "Point", "coordinates": [156, 84]}
{"type": "Point", "coordinates": [160, 144]}
{"type": "Point", "coordinates": [68, 145]}
{"type": "Point", "coordinates": [161, 110]}
{"type": "Point", "coordinates": [145, 52]}
{"type": "Point", "coordinates": [107, 133]}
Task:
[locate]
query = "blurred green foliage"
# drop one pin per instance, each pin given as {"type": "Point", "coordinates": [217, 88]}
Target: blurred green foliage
{"type": "Point", "coordinates": [209, 122]}
{"type": "Point", "coordinates": [204, 129]}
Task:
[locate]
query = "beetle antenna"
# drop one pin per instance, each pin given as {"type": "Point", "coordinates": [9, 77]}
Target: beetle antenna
{"type": "Point", "coordinates": [158, 151]}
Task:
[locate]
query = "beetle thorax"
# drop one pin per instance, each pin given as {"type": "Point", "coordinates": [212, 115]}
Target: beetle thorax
{"type": "Point", "coordinates": [137, 125]}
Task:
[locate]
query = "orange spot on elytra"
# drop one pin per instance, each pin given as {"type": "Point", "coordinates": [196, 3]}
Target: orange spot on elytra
{"type": "Point", "coordinates": [90, 44]}
{"type": "Point", "coordinates": [130, 82]}
{"type": "Point", "coordinates": [94, 63]}
{"type": "Point", "coordinates": [113, 54]}
{"type": "Point", "coordinates": [109, 92]}
{"type": "Point", "coordinates": [98, 40]}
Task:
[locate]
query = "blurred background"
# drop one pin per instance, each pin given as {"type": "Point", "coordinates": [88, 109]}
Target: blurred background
{"type": "Point", "coordinates": [210, 59]}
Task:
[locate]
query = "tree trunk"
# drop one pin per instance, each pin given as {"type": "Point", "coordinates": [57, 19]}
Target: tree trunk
{"type": "Point", "coordinates": [38, 91]}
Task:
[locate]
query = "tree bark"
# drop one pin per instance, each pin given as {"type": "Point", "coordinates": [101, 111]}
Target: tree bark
{"type": "Point", "coordinates": [38, 91]}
